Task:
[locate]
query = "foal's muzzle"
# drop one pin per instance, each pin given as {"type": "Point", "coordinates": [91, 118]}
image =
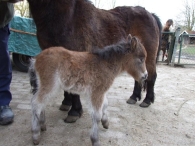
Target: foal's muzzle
{"type": "Point", "coordinates": [143, 79]}
{"type": "Point", "coordinates": [145, 76]}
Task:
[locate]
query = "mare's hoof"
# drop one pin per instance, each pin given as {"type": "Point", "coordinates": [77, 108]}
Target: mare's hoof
{"type": "Point", "coordinates": [71, 119]}
{"type": "Point", "coordinates": [64, 107]}
{"type": "Point", "coordinates": [73, 116]}
{"type": "Point", "coordinates": [131, 101]}
{"type": "Point", "coordinates": [143, 104]}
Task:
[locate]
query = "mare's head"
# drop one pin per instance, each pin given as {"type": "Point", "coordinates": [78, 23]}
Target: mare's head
{"type": "Point", "coordinates": [134, 60]}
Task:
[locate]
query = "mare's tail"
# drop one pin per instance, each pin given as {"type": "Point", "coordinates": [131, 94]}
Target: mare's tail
{"type": "Point", "coordinates": [160, 33]}
{"type": "Point", "coordinates": [33, 77]}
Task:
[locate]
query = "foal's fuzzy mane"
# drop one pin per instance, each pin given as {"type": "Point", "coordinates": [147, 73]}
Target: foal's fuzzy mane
{"type": "Point", "coordinates": [111, 50]}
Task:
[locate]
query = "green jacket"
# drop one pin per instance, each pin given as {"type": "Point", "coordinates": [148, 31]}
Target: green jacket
{"type": "Point", "coordinates": [6, 13]}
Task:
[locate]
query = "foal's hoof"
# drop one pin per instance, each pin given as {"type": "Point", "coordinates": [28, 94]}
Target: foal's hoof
{"type": "Point", "coordinates": [143, 104]}
{"type": "Point", "coordinates": [36, 140]}
{"type": "Point", "coordinates": [43, 128]}
{"type": "Point", "coordinates": [131, 101]}
{"type": "Point", "coordinates": [105, 124]}
{"type": "Point", "coordinates": [64, 107]}
{"type": "Point", "coordinates": [96, 144]}
{"type": "Point", "coordinates": [71, 119]}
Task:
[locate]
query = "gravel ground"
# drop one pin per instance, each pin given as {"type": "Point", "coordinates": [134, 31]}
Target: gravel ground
{"type": "Point", "coordinates": [170, 121]}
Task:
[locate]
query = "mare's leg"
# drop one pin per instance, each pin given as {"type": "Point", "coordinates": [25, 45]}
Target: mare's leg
{"type": "Point", "coordinates": [104, 119]}
{"type": "Point", "coordinates": [67, 102]}
{"type": "Point", "coordinates": [150, 90]}
{"type": "Point", "coordinates": [136, 94]}
{"type": "Point", "coordinates": [76, 109]}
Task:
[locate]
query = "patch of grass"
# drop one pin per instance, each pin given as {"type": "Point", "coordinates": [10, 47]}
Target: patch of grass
{"type": "Point", "coordinates": [189, 50]}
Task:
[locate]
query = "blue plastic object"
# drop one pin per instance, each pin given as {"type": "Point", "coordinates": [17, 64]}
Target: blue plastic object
{"type": "Point", "coordinates": [23, 38]}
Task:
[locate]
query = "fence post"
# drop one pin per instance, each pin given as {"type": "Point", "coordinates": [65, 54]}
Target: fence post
{"type": "Point", "coordinates": [177, 32]}
{"type": "Point", "coordinates": [180, 46]}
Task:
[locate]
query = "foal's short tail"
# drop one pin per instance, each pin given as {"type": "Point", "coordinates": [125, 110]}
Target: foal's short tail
{"type": "Point", "coordinates": [33, 77]}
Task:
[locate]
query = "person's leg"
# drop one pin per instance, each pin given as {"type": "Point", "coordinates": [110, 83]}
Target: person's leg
{"type": "Point", "coordinates": [6, 114]}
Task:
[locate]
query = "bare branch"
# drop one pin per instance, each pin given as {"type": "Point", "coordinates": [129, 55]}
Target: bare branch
{"type": "Point", "coordinates": [113, 3]}
{"type": "Point", "coordinates": [22, 8]}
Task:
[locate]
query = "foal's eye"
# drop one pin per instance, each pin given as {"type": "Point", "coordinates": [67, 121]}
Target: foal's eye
{"type": "Point", "coordinates": [141, 60]}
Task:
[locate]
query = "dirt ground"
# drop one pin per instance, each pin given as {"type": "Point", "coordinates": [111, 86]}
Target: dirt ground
{"type": "Point", "coordinates": [170, 121]}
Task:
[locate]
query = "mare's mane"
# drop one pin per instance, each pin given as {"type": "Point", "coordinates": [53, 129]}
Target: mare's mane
{"type": "Point", "coordinates": [112, 50]}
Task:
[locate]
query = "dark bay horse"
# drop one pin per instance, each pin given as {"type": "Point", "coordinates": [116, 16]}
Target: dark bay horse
{"type": "Point", "coordinates": [78, 25]}
{"type": "Point", "coordinates": [84, 73]}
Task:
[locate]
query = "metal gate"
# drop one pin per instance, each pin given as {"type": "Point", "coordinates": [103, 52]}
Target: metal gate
{"type": "Point", "coordinates": [181, 50]}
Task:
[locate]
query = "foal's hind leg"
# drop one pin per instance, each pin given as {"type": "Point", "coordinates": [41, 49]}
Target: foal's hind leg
{"type": "Point", "coordinates": [104, 119]}
{"type": "Point", "coordinates": [38, 119]}
{"type": "Point", "coordinates": [42, 120]}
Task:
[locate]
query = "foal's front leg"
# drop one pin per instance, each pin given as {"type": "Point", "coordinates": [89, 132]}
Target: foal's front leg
{"type": "Point", "coordinates": [104, 119]}
{"type": "Point", "coordinates": [99, 113]}
{"type": "Point", "coordinates": [96, 117]}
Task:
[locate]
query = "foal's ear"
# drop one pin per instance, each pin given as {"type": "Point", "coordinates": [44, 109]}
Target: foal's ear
{"type": "Point", "coordinates": [134, 42]}
{"type": "Point", "coordinates": [129, 37]}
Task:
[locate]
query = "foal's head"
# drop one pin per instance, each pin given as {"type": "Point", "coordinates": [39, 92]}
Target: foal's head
{"type": "Point", "coordinates": [135, 59]}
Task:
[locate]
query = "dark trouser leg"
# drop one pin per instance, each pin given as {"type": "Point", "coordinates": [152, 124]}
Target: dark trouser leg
{"type": "Point", "coordinates": [5, 67]}
{"type": "Point", "coordinates": [136, 94]}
